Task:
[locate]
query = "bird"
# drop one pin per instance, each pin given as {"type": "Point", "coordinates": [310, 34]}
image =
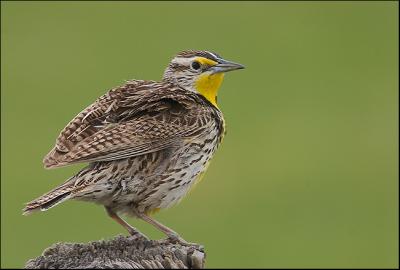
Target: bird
{"type": "Point", "coordinates": [147, 143]}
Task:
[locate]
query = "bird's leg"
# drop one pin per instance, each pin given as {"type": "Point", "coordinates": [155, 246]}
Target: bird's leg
{"type": "Point", "coordinates": [172, 235]}
{"type": "Point", "coordinates": [132, 230]}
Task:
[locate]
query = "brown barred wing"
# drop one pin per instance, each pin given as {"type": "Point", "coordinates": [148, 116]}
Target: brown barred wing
{"type": "Point", "coordinates": [93, 118]}
{"type": "Point", "coordinates": [133, 138]}
{"type": "Point", "coordinates": [155, 123]}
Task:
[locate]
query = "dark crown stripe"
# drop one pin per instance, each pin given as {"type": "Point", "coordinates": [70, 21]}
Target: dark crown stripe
{"type": "Point", "coordinates": [192, 53]}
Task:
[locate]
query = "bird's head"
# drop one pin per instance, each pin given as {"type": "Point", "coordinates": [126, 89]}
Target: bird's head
{"type": "Point", "coordinates": [201, 72]}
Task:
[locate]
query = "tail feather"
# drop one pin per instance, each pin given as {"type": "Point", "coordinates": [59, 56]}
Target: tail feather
{"type": "Point", "coordinates": [50, 199]}
{"type": "Point", "coordinates": [55, 201]}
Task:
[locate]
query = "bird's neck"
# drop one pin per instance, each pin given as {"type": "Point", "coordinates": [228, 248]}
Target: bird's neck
{"type": "Point", "coordinates": [208, 85]}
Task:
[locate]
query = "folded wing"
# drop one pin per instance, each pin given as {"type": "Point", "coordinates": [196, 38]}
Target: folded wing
{"type": "Point", "coordinates": [138, 118]}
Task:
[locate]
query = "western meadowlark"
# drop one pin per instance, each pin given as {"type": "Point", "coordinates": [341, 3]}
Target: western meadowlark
{"type": "Point", "coordinates": [146, 142]}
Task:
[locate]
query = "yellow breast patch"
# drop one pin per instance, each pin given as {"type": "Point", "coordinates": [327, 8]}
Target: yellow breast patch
{"type": "Point", "coordinates": [207, 85]}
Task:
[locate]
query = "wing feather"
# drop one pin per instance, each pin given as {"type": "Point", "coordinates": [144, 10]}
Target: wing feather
{"type": "Point", "coordinates": [138, 118]}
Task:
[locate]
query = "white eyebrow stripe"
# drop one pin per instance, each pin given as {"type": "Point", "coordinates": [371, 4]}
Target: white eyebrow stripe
{"type": "Point", "coordinates": [183, 60]}
{"type": "Point", "coordinates": [213, 55]}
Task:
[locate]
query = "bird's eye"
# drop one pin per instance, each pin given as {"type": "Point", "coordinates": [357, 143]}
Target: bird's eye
{"type": "Point", "coordinates": [196, 65]}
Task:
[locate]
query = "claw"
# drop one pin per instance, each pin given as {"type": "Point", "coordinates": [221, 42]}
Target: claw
{"type": "Point", "coordinates": [176, 239]}
{"type": "Point", "coordinates": [138, 236]}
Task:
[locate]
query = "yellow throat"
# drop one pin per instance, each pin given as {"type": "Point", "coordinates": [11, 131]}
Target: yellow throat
{"type": "Point", "coordinates": [208, 86]}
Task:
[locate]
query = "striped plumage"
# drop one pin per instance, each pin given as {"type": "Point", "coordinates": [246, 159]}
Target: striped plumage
{"type": "Point", "coordinates": [146, 142]}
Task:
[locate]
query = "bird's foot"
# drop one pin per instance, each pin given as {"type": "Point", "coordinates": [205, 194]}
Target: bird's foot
{"type": "Point", "coordinates": [136, 235]}
{"type": "Point", "coordinates": [176, 239]}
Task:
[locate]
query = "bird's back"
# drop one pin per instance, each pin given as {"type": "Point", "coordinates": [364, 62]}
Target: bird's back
{"type": "Point", "coordinates": [137, 118]}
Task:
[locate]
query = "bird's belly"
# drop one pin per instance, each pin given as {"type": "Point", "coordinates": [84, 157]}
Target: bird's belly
{"type": "Point", "coordinates": [184, 181]}
{"type": "Point", "coordinates": [144, 188]}
{"type": "Point", "coordinates": [189, 166]}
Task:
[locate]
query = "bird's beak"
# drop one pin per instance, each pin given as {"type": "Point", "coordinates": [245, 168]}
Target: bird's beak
{"type": "Point", "coordinates": [225, 66]}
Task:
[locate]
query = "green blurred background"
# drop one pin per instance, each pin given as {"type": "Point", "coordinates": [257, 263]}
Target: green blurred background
{"type": "Point", "coordinates": [307, 175]}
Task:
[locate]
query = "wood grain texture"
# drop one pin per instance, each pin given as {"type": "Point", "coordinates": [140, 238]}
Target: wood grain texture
{"type": "Point", "coordinates": [120, 252]}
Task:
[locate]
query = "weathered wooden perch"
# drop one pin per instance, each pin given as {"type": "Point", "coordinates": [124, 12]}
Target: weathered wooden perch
{"type": "Point", "coordinates": [122, 252]}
